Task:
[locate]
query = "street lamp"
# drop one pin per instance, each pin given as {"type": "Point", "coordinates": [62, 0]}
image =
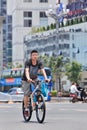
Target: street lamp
{"type": "Point", "coordinates": [58, 14]}
{"type": "Point", "coordinates": [25, 47]}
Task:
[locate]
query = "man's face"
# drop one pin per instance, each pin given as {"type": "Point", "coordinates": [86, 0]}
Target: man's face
{"type": "Point", "coordinates": [34, 56]}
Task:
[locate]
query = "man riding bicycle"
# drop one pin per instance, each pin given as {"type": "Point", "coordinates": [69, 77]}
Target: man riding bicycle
{"type": "Point", "coordinates": [32, 66]}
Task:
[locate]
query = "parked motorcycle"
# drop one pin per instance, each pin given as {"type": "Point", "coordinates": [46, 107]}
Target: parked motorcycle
{"type": "Point", "coordinates": [82, 96]}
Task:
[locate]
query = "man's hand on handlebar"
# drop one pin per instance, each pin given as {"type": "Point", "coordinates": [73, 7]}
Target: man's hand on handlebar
{"type": "Point", "coordinates": [30, 80]}
{"type": "Point", "coordinates": [47, 80]}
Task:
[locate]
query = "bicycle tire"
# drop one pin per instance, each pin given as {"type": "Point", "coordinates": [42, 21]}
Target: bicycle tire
{"type": "Point", "coordinates": [30, 112]}
{"type": "Point", "coordinates": [40, 106]}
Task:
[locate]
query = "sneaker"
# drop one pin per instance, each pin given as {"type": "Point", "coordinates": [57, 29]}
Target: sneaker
{"type": "Point", "coordinates": [26, 112]}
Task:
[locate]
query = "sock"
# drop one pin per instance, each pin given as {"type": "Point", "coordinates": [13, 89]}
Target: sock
{"type": "Point", "coordinates": [26, 109]}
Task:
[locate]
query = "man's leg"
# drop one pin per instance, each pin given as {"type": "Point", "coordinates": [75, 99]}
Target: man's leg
{"type": "Point", "coordinates": [26, 102]}
{"type": "Point", "coordinates": [26, 90]}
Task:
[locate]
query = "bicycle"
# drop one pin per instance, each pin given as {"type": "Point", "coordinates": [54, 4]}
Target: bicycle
{"type": "Point", "coordinates": [40, 106]}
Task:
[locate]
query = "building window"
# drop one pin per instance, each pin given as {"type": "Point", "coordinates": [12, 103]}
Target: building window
{"type": "Point", "coordinates": [10, 59]}
{"type": "Point", "coordinates": [43, 1]}
{"type": "Point", "coordinates": [27, 19]}
{"type": "Point", "coordinates": [9, 28]}
{"type": "Point", "coordinates": [27, 23]}
{"type": "Point", "coordinates": [9, 52]}
{"type": "Point", "coordinates": [43, 19]}
{"type": "Point", "coordinates": [43, 22]}
{"type": "Point", "coordinates": [27, 14]}
{"type": "Point", "coordinates": [27, 0]}
{"type": "Point", "coordinates": [9, 44]}
{"type": "Point", "coordinates": [9, 36]}
{"type": "Point", "coordinates": [9, 19]}
{"type": "Point", "coordinates": [42, 15]}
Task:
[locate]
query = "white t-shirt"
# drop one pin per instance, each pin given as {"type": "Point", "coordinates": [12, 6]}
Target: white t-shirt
{"type": "Point", "coordinates": [73, 89]}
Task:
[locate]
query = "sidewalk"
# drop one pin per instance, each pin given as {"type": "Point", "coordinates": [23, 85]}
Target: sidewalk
{"type": "Point", "coordinates": [60, 99]}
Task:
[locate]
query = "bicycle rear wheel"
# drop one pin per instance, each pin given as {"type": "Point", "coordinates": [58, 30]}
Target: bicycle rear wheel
{"type": "Point", "coordinates": [27, 118]}
{"type": "Point", "coordinates": [40, 108]}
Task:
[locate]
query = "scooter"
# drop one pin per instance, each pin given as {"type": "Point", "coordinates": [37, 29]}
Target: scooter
{"type": "Point", "coordinates": [82, 96]}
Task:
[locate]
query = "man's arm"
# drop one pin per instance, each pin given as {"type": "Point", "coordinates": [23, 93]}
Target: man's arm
{"type": "Point", "coordinates": [44, 73]}
{"type": "Point", "coordinates": [28, 75]}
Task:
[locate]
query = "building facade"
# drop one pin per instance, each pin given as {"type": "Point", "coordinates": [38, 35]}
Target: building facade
{"type": "Point", "coordinates": [25, 15]}
{"type": "Point", "coordinates": [32, 14]}
{"type": "Point", "coordinates": [21, 17]}
{"type": "Point", "coordinates": [7, 34]}
{"type": "Point", "coordinates": [1, 37]}
{"type": "Point", "coordinates": [72, 45]}
{"type": "Point", "coordinates": [1, 44]}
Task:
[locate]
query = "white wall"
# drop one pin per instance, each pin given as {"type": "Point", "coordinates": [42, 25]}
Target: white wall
{"type": "Point", "coordinates": [10, 6]}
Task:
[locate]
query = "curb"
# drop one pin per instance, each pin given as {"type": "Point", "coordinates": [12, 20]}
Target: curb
{"type": "Point", "coordinates": [60, 99]}
{"type": "Point", "coordinates": [10, 102]}
{"type": "Point", "coordinates": [53, 99]}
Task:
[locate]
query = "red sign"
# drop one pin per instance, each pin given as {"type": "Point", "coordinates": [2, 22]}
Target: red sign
{"type": "Point", "coordinates": [10, 80]}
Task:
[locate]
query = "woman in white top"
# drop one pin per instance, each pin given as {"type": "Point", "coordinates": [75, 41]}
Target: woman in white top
{"type": "Point", "coordinates": [73, 88]}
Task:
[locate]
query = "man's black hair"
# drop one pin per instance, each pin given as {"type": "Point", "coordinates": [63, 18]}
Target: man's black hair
{"type": "Point", "coordinates": [34, 51]}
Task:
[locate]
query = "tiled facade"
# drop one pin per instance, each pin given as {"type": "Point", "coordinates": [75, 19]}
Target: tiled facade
{"type": "Point", "coordinates": [7, 34]}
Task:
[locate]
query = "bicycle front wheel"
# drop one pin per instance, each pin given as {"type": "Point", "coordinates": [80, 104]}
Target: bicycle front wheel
{"type": "Point", "coordinates": [40, 108]}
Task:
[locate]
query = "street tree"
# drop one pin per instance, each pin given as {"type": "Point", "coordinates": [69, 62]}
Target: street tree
{"type": "Point", "coordinates": [56, 65]}
{"type": "Point", "coordinates": [73, 71]}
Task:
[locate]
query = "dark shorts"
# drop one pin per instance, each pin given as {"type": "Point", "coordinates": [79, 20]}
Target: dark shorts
{"type": "Point", "coordinates": [26, 88]}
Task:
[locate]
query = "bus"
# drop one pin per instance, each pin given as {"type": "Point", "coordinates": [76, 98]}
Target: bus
{"type": "Point", "coordinates": [12, 78]}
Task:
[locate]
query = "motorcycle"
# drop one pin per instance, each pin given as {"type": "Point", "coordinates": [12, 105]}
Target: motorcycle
{"type": "Point", "coordinates": [82, 96]}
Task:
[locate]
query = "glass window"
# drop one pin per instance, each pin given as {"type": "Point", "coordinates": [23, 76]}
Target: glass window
{"type": "Point", "coordinates": [9, 28]}
{"type": "Point", "coordinates": [27, 14]}
{"type": "Point", "coordinates": [3, 11]}
{"type": "Point", "coordinates": [22, 71]}
{"type": "Point", "coordinates": [27, 0]}
{"type": "Point", "coordinates": [9, 52]}
{"type": "Point", "coordinates": [9, 59]}
{"type": "Point", "coordinates": [4, 39]}
{"type": "Point", "coordinates": [73, 45]}
{"type": "Point", "coordinates": [27, 23]}
{"type": "Point", "coordinates": [42, 15]}
{"type": "Point", "coordinates": [72, 37]}
{"type": "Point", "coordinates": [43, 1]}
{"type": "Point", "coordinates": [9, 18]}
{"type": "Point", "coordinates": [4, 31]}
{"type": "Point", "coordinates": [4, 2]}
{"type": "Point", "coordinates": [16, 73]}
{"type": "Point", "coordinates": [9, 44]}
{"type": "Point", "coordinates": [9, 36]}
{"type": "Point", "coordinates": [43, 22]}
{"type": "Point", "coordinates": [4, 21]}
{"type": "Point", "coordinates": [6, 73]}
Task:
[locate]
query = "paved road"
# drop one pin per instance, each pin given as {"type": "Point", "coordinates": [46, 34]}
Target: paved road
{"type": "Point", "coordinates": [59, 116]}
